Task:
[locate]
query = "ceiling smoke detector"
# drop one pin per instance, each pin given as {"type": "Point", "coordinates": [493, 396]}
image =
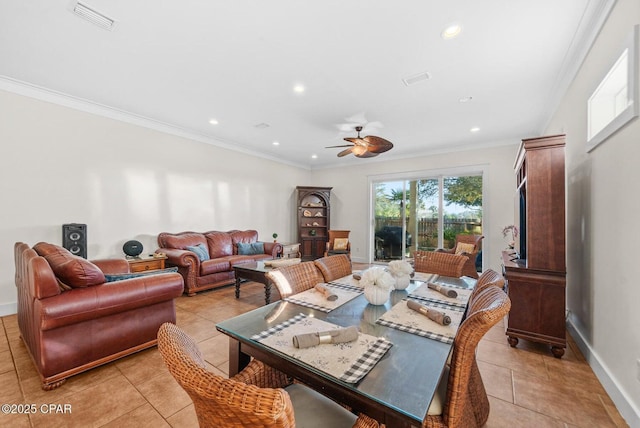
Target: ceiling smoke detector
{"type": "Point", "coordinates": [93, 16]}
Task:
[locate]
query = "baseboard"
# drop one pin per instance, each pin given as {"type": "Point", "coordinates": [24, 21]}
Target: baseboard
{"type": "Point", "coordinates": [622, 401]}
{"type": "Point", "coordinates": [8, 309]}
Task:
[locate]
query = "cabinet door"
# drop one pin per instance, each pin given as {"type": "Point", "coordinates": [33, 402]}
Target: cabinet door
{"type": "Point", "coordinates": [537, 307]}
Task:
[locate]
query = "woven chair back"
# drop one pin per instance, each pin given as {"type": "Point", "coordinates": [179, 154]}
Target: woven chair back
{"type": "Point", "coordinates": [220, 402]}
{"type": "Point", "coordinates": [295, 279]}
{"type": "Point", "coordinates": [444, 264]}
{"type": "Point", "coordinates": [334, 267]}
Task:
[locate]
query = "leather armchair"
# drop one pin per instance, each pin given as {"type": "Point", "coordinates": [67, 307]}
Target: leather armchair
{"type": "Point", "coordinates": [71, 320]}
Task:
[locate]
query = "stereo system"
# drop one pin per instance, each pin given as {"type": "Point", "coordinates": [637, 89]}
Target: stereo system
{"type": "Point", "coordinates": [74, 238]}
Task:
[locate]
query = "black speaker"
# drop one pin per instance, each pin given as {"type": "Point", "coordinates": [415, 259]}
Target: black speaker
{"type": "Point", "coordinates": [132, 248]}
{"type": "Point", "coordinates": [74, 238]}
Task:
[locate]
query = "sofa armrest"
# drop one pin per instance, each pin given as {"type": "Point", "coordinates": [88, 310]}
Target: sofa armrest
{"type": "Point", "coordinates": [181, 258]}
{"type": "Point", "coordinates": [82, 304]}
{"type": "Point", "coordinates": [445, 250]}
{"type": "Point", "coordinates": [111, 266]}
{"type": "Point", "coordinates": [273, 248]}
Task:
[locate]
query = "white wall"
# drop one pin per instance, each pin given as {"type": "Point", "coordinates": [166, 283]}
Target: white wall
{"type": "Point", "coordinates": [602, 228]}
{"type": "Point", "coordinates": [351, 194]}
{"type": "Point", "coordinates": [61, 165]}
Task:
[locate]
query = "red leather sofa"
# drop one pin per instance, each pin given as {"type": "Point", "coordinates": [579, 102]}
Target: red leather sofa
{"type": "Point", "coordinates": [72, 320]}
{"type": "Point", "coordinates": [215, 270]}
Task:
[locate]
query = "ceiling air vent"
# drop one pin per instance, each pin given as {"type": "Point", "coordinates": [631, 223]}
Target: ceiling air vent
{"type": "Point", "coordinates": [93, 16]}
{"type": "Point", "coordinates": [408, 81]}
{"type": "Point", "coordinates": [262, 125]}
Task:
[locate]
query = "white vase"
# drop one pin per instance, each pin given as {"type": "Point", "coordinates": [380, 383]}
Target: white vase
{"type": "Point", "coordinates": [402, 282]}
{"type": "Point", "coordinates": [376, 295]}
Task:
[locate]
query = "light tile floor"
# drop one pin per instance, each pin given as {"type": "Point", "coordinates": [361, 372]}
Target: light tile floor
{"type": "Point", "coordinates": [527, 387]}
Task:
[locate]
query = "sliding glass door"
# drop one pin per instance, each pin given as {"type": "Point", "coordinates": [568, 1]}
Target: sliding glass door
{"type": "Point", "coordinates": [424, 214]}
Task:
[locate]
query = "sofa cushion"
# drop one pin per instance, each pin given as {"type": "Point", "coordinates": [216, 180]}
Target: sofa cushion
{"type": "Point", "coordinates": [78, 272]}
{"type": "Point", "coordinates": [71, 270]}
{"type": "Point", "coordinates": [249, 249]}
{"type": "Point", "coordinates": [464, 248]}
{"type": "Point", "coordinates": [214, 266]}
{"type": "Point", "coordinates": [340, 244]}
{"type": "Point", "coordinates": [244, 236]}
{"type": "Point", "coordinates": [201, 251]}
{"type": "Point", "coordinates": [182, 240]}
{"type": "Point", "coordinates": [121, 276]}
{"type": "Point", "coordinates": [220, 244]}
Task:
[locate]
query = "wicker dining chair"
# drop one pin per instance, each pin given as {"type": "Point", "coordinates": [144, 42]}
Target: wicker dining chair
{"type": "Point", "coordinates": [488, 278]}
{"type": "Point", "coordinates": [255, 397]}
{"type": "Point", "coordinates": [295, 279]}
{"type": "Point", "coordinates": [461, 400]}
{"type": "Point", "coordinates": [469, 246]}
{"type": "Point", "coordinates": [444, 264]}
{"type": "Point", "coordinates": [334, 267]}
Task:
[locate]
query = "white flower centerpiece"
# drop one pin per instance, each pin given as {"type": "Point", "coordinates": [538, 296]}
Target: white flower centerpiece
{"type": "Point", "coordinates": [377, 283]}
{"type": "Point", "coordinates": [401, 272]}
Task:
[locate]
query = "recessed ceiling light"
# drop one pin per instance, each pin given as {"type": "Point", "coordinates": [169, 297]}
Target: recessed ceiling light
{"type": "Point", "coordinates": [451, 31]}
{"type": "Point", "coordinates": [314, 156]}
{"type": "Point", "coordinates": [298, 89]}
{"type": "Point", "coordinates": [276, 143]}
{"type": "Point", "coordinates": [213, 121]}
{"type": "Point", "coordinates": [474, 129]}
{"type": "Point", "coordinates": [465, 99]}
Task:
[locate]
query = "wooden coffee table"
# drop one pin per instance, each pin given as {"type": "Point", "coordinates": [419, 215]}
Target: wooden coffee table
{"type": "Point", "coordinates": [253, 271]}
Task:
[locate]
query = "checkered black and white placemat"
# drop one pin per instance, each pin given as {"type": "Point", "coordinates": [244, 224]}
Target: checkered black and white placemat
{"type": "Point", "coordinates": [402, 318]}
{"type": "Point", "coordinates": [348, 362]}
{"type": "Point", "coordinates": [313, 299]}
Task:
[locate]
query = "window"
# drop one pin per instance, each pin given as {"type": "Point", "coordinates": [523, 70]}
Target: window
{"type": "Point", "coordinates": [424, 213]}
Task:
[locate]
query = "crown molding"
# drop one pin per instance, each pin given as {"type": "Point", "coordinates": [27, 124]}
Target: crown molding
{"type": "Point", "coordinates": [48, 95]}
{"type": "Point", "coordinates": [595, 14]}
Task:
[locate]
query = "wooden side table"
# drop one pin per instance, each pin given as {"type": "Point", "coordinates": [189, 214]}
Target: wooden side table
{"type": "Point", "coordinates": [146, 263]}
{"type": "Point", "coordinates": [290, 250]}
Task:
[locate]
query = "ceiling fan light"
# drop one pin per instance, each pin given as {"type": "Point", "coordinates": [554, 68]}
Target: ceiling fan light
{"type": "Point", "coordinates": [358, 150]}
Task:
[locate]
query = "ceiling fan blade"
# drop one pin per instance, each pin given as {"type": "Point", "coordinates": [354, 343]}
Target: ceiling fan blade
{"type": "Point", "coordinates": [344, 152]}
{"type": "Point", "coordinates": [344, 145]}
{"type": "Point", "coordinates": [357, 141]}
{"type": "Point", "coordinates": [378, 144]}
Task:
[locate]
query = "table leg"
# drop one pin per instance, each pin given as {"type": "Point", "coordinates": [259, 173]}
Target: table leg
{"type": "Point", "coordinates": [237, 360]}
{"type": "Point", "coordinates": [237, 286]}
{"type": "Point", "coordinates": [267, 292]}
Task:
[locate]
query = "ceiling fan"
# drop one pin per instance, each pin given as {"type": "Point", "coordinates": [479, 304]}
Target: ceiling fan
{"type": "Point", "coordinates": [364, 147]}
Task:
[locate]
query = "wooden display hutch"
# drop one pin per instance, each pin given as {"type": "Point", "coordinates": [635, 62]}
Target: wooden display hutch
{"type": "Point", "coordinates": [313, 220]}
{"type": "Point", "coordinates": [536, 273]}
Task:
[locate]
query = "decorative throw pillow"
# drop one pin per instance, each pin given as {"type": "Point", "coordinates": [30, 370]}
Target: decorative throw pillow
{"type": "Point", "coordinates": [340, 244]}
{"type": "Point", "coordinates": [464, 248]}
{"type": "Point", "coordinates": [201, 251]}
{"type": "Point", "coordinates": [121, 276]}
{"type": "Point", "coordinates": [250, 249]}
{"type": "Point", "coordinates": [77, 272]}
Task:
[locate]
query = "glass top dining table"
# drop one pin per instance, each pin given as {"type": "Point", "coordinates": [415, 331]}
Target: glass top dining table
{"type": "Point", "coordinates": [398, 389]}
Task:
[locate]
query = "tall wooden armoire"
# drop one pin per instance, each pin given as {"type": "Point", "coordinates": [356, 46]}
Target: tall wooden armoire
{"type": "Point", "coordinates": [536, 281]}
{"type": "Point", "coordinates": [314, 209]}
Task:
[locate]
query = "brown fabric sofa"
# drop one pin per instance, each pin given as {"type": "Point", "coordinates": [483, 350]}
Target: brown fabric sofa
{"type": "Point", "coordinates": [223, 252]}
{"type": "Point", "coordinates": [72, 320]}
